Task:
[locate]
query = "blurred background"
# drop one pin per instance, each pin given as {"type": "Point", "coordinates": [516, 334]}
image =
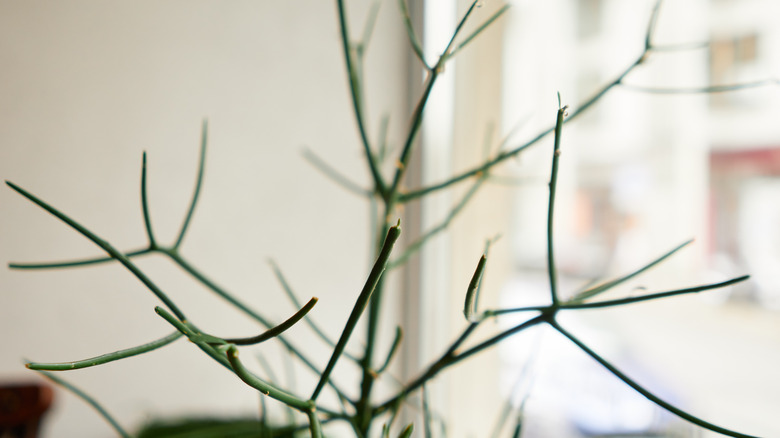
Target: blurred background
{"type": "Point", "coordinates": [87, 86]}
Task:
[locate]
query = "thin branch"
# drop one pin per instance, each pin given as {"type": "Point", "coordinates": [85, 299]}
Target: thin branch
{"type": "Point", "coordinates": [75, 263]}
{"type": "Point", "coordinates": [89, 400]}
{"type": "Point", "coordinates": [449, 51]}
{"type": "Point", "coordinates": [551, 270]}
{"type": "Point", "coordinates": [416, 46]}
{"type": "Point", "coordinates": [357, 104]}
{"type": "Point", "coordinates": [479, 29]}
{"type": "Point", "coordinates": [279, 329]}
{"type": "Point", "coordinates": [470, 305]}
{"type": "Point", "coordinates": [595, 290]}
{"type": "Point", "coordinates": [654, 296]}
{"type": "Point", "coordinates": [145, 204]}
{"type": "Point", "coordinates": [333, 174]}
{"type": "Point", "coordinates": [399, 335]}
{"type": "Point", "coordinates": [503, 156]}
{"type": "Point", "coordinates": [640, 389]}
{"type": "Point", "coordinates": [651, 25]}
{"type": "Point", "coordinates": [621, 301]}
{"type": "Point", "coordinates": [417, 115]}
{"type": "Point", "coordinates": [451, 357]}
{"type": "Point", "coordinates": [414, 128]}
{"type": "Point", "coordinates": [368, 29]}
{"type": "Point", "coordinates": [105, 358]}
{"type": "Point", "coordinates": [415, 246]}
{"type": "Point", "coordinates": [360, 304]}
{"type": "Point", "coordinates": [701, 90]}
{"type": "Point", "coordinates": [198, 183]}
{"type": "Point", "coordinates": [105, 246]}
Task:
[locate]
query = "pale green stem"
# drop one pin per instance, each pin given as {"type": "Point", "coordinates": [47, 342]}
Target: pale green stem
{"type": "Point", "coordinates": [105, 358]}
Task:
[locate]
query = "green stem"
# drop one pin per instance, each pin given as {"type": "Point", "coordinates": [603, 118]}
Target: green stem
{"type": "Point", "coordinates": [105, 358]}
{"type": "Point", "coordinates": [362, 301]}
{"type": "Point", "coordinates": [314, 424]}
{"type": "Point", "coordinates": [414, 128]}
{"type": "Point", "coordinates": [279, 329]}
{"type": "Point", "coordinates": [264, 387]}
{"type": "Point", "coordinates": [551, 271]}
{"type": "Point", "coordinates": [470, 305]}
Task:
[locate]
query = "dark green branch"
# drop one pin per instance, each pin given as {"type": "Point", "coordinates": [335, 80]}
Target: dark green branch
{"type": "Point", "coordinates": [640, 389]}
{"type": "Point", "coordinates": [279, 329]}
{"type": "Point", "coordinates": [451, 357]}
{"type": "Point", "coordinates": [479, 29]}
{"type": "Point", "coordinates": [503, 156]}
{"type": "Point", "coordinates": [470, 305]}
{"type": "Point", "coordinates": [362, 301]}
{"type": "Point", "coordinates": [145, 204]}
{"type": "Point", "coordinates": [551, 270]}
{"type": "Point", "coordinates": [618, 302]}
{"type": "Point", "coordinates": [603, 287]}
